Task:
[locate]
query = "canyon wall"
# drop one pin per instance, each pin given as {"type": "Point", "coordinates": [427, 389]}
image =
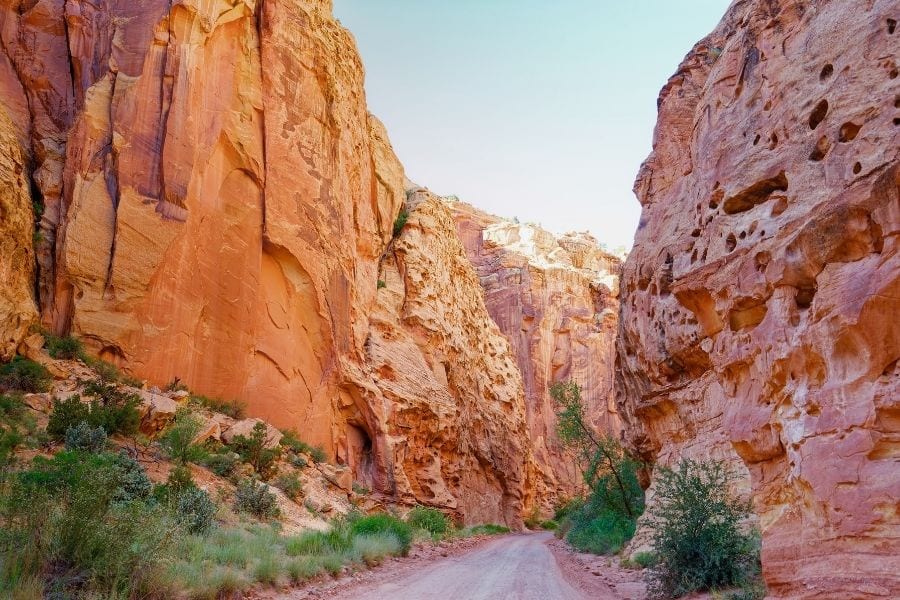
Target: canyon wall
{"type": "Point", "coordinates": [759, 317]}
{"type": "Point", "coordinates": [556, 299]}
{"type": "Point", "coordinates": [219, 208]}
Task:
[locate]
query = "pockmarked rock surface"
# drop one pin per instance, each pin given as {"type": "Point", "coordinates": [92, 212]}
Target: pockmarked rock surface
{"type": "Point", "coordinates": [759, 320]}
{"type": "Point", "coordinates": [219, 208]}
{"type": "Point", "coordinates": [556, 299]}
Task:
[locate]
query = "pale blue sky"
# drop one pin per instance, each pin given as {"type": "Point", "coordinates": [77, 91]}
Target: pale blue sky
{"type": "Point", "coordinates": [537, 109]}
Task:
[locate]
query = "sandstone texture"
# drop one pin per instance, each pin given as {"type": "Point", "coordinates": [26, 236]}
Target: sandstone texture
{"type": "Point", "coordinates": [556, 299]}
{"type": "Point", "coordinates": [219, 209]}
{"type": "Point", "coordinates": [17, 304]}
{"type": "Point", "coordinates": [759, 318]}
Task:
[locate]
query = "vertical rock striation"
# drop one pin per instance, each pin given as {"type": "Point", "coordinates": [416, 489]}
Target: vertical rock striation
{"type": "Point", "coordinates": [759, 318]}
{"type": "Point", "coordinates": [219, 204]}
{"type": "Point", "coordinates": [556, 300]}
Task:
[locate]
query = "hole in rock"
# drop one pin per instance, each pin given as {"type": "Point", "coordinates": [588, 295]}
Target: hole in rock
{"type": "Point", "coordinates": [768, 105]}
{"type": "Point", "coordinates": [892, 25]}
{"type": "Point", "coordinates": [746, 312]}
{"type": "Point", "coordinates": [695, 233]}
{"type": "Point", "coordinates": [762, 260]}
{"type": "Point", "coordinates": [804, 297]}
{"type": "Point", "coordinates": [774, 141]}
{"type": "Point", "coordinates": [848, 131]}
{"type": "Point", "coordinates": [756, 139]}
{"type": "Point", "coordinates": [827, 71]}
{"type": "Point", "coordinates": [743, 235]}
{"type": "Point", "coordinates": [821, 149]}
{"type": "Point", "coordinates": [857, 168]}
{"type": "Point", "coordinates": [818, 114]}
{"type": "Point", "coordinates": [896, 120]}
{"type": "Point", "coordinates": [361, 456]}
{"type": "Point", "coordinates": [780, 205]}
{"type": "Point", "coordinates": [755, 194]}
{"type": "Point", "coordinates": [730, 242]}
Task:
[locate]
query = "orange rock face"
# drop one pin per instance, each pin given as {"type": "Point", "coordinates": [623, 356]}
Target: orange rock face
{"type": "Point", "coordinates": [760, 305]}
{"type": "Point", "coordinates": [556, 300]}
{"type": "Point", "coordinates": [220, 207]}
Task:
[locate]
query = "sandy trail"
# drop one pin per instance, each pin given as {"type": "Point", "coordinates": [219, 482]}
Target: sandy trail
{"type": "Point", "coordinates": [514, 567]}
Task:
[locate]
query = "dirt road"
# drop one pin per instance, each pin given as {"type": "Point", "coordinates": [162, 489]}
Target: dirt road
{"type": "Point", "coordinates": [514, 567]}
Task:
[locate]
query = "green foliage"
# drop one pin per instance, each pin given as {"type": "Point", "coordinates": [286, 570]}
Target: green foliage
{"type": "Point", "coordinates": [24, 375]}
{"type": "Point", "coordinates": [222, 464]}
{"type": "Point", "coordinates": [373, 548]}
{"type": "Point", "coordinates": [549, 525]}
{"type": "Point", "coordinates": [85, 438]}
{"type": "Point", "coordinates": [360, 489]}
{"type": "Point", "coordinates": [195, 510]}
{"type": "Point", "coordinates": [384, 523]}
{"type": "Point", "coordinates": [18, 427]}
{"type": "Point", "coordinates": [82, 522]}
{"type": "Point", "coordinates": [400, 221]}
{"type": "Point", "coordinates": [604, 521]}
{"type": "Point", "coordinates": [645, 559]}
{"type": "Point", "coordinates": [381, 284]}
{"type": "Point", "coordinates": [252, 450]}
{"type": "Point", "coordinates": [697, 532]}
{"type": "Point", "coordinates": [290, 484]}
{"type": "Point", "coordinates": [110, 408]}
{"type": "Point", "coordinates": [430, 519]}
{"type": "Point", "coordinates": [66, 347]}
{"type": "Point", "coordinates": [255, 498]}
{"type": "Point", "coordinates": [291, 440]}
{"type": "Point", "coordinates": [178, 440]}
{"type": "Point", "coordinates": [485, 529]}
{"type": "Point", "coordinates": [231, 408]}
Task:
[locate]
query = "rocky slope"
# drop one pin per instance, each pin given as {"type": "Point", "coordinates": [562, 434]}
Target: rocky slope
{"type": "Point", "coordinates": [759, 306]}
{"type": "Point", "coordinates": [556, 300]}
{"type": "Point", "coordinates": [219, 207]}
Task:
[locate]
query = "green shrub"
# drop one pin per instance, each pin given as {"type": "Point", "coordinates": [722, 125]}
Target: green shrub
{"type": "Point", "coordinates": [697, 532]}
{"type": "Point", "coordinates": [222, 464]}
{"type": "Point", "coordinates": [374, 548]}
{"type": "Point", "coordinates": [289, 484]}
{"type": "Point", "coordinates": [78, 520]}
{"type": "Point", "coordinates": [24, 375]}
{"type": "Point", "coordinates": [549, 525]}
{"type": "Point", "coordinates": [604, 533]}
{"type": "Point", "coordinates": [485, 529]}
{"type": "Point", "coordinates": [298, 462]}
{"type": "Point", "coordinates": [359, 489]}
{"type": "Point", "coordinates": [381, 284]}
{"type": "Point", "coordinates": [400, 221]}
{"type": "Point", "coordinates": [291, 440]}
{"type": "Point", "coordinates": [252, 450]}
{"type": "Point", "coordinates": [645, 559]}
{"type": "Point", "coordinates": [231, 408]}
{"type": "Point", "coordinates": [18, 427]}
{"type": "Point", "coordinates": [195, 510]}
{"type": "Point", "coordinates": [384, 523]}
{"type": "Point", "coordinates": [66, 347]}
{"type": "Point", "coordinates": [86, 438]}
{"type": "Point", "coordinates": [430, 519]}
{"type": "Point", "coordinates": [178, 440]}
{"type": "Point", "coordinates": [255, 498]}
{"type": "Point", "coordinates": [113, 410]}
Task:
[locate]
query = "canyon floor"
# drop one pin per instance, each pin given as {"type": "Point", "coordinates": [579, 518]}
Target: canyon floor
{"type": "Point", "coordinates": [533, 566]}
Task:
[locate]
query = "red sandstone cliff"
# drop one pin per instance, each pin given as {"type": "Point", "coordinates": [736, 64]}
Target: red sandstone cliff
{"type": "Point", "coordinates": [556, 300]}
{"type": "Point", "coordinates": [219, 208]}
{"type": "Point", "coordinates": [760, 304]}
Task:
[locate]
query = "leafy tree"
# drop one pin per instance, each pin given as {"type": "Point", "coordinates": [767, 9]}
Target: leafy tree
{"type": "Point", "coordinates": [178, 440]}
{"type": "Point", "coordinates": [253, 450]}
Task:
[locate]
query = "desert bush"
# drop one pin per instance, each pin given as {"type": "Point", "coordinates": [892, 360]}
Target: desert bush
{"type": "Point", "coordinates": [24, 375]}
{"type": "Point", "coordinates": [231, 408]}
{"type": "Point", "coordinates": [85, 438]}
{"type": "Point", "coordinates": [113, 410]}
{"type": "Point", "coordinates": [82, 524]}
{"type": "Point", "coordinates": [178, 440]}
{"type": "Point", "coordinates": [549, 525]}
{"type": "Point", "coordinates": [400, 221]}
{"type": "Point", "coordinates": [384, 523]}
{"type": "Point", "coordinates": [645, 559]}
{"type": "Point", "coordinates": [221, 463]}
{"type": "Point", "coordinates": [484, 529]}
{"type": "Point", "coordinates": [381, 284]}
{"type": "Point", "coordinates": [698, 535]}
{"type": "Point", "coordinates": [374, 548]}
{"type": "Point", "coordinates": [430, 519]}
{"type": "Point", "coordinates": [254, 498]}
{"type": "Point", "coordinates": [195, 510]}
{"type": "Point", "coordinates": [252, 450]}
{"type": "Point", "coordinates": [290, 484]}
{"type": "Point", "coordinates": [66, 347]}
{"type": "Point", "coordinates": [291, 440]}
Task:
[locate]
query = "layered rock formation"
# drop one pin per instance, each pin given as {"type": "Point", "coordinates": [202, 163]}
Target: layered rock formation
{"type": "Point", "coordinates": [556, 300]}
{"type": "Point", "coordinates": [223, 223]}
{"type": "Point", "coordinates": [760, 304]}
